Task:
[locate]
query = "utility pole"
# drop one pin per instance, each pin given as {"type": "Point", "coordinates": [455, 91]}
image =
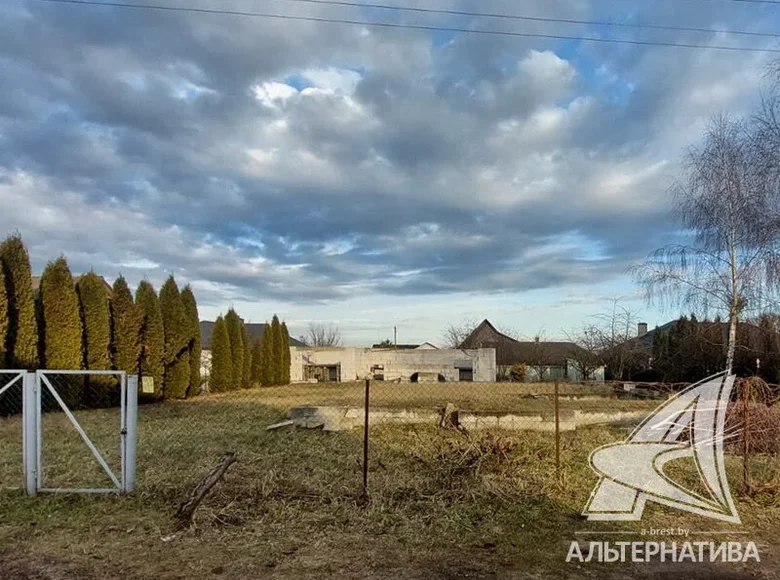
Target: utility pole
{"type": "Point", "coordinates": [395, 337]}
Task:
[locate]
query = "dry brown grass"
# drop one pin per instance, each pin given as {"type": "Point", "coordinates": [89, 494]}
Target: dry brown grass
{"type": "Point", "coordinates": [442, 505]}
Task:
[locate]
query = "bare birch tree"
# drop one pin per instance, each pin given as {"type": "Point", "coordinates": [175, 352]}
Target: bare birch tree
{"type": "Point", "coordinates": [725, 202]}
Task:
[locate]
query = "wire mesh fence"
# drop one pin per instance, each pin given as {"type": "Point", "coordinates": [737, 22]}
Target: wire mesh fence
{"type": "Point", "coordinates": [428, 440]}
{"type": "Point", "coordinates": [11, 434]}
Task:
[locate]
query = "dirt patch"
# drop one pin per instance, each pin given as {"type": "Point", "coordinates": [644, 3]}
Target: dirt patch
{"type": "Point", "coordinates": [14, 566]}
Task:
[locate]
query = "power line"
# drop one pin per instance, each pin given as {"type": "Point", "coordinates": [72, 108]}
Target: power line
{"type": "Point", "coordinates": [378, 24]}
{"type": "Point", "coordinates": [751, 1]}
{"type": "Point", "coordinates": [546, 19]}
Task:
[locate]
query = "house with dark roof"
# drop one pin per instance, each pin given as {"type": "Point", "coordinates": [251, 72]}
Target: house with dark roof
{"type": "Point", "coordinates": [544, 360]}
{"type": "Point", "coordinates": [254, 329]}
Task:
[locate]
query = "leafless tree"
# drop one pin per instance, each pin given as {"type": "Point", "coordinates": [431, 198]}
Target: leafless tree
{"type": "Point", "coordinates": [616, 333]}
{"type": "Point", "coordinates": [455, 334]}
{"type": "Point", "coordinates": [585, 352]}
{"type": "Point", "coordinates": [726, 201]}
{"type": "Point", "coordinates": [323, 335]}
{"type": "Point", "coordinates": [538, 359]}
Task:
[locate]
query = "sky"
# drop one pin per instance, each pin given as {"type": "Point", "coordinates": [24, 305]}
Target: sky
{"type": "Point", "coordinates": [362, 176]}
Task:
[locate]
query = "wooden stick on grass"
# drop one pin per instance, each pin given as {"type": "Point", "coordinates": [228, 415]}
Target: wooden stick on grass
{"type": "Point", "coordinates": [187, 509]}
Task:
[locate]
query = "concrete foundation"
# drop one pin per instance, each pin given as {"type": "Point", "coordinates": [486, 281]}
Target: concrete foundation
{"type": "Point", "coordinates": [345, 418]}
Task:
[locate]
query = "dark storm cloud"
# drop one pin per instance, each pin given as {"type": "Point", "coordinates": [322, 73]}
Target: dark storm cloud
{"type": "Point", "coordinates": [310, 161]}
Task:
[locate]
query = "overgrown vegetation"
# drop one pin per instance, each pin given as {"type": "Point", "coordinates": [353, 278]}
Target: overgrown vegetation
{"type": "Point", "coordinates": [443, 504]}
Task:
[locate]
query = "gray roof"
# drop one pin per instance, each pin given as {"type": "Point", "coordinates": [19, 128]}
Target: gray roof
{"type": "Point", "coordinates": [255, 331]}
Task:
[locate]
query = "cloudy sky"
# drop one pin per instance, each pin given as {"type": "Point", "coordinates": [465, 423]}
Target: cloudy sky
{"type": "Point", "coordinates": [366, 176]}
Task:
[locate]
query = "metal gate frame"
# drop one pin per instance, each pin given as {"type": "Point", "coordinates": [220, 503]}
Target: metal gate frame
{"type": "Point", "coordinates": [34, 384]}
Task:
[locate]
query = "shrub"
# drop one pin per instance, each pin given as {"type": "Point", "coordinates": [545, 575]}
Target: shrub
{"type": "Point", "coordinates": [151, 335]}
{"type": "Point", "coordinates": [518, 373]}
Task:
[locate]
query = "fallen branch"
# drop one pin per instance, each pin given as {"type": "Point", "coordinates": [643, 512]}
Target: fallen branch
{"type": "Point", "coordinates": [187, 509]}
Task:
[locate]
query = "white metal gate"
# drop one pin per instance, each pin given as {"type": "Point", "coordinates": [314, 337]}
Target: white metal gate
{"type": "Point", "coordinates": [40, 384]}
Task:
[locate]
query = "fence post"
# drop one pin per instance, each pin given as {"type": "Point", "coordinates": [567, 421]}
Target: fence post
{"type": "Point", "coordinates": [30, 433]}
{"type": "Point", "coordinates": [130, 432]}
{"type": "Point", "coordinates": [745, 395]}
{"type": "Point", "coordinates": [365, 439]}
{"type": "Point", "coordinates": [557, 432]}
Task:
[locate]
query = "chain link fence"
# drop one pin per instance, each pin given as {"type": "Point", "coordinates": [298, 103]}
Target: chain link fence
{"type": "Point", "coordinates": [11, 434]}
{"type": "Point", "coordinates": [390, 441]}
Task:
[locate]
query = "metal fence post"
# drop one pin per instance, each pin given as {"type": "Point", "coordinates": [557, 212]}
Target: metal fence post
{"type": "Point", "coordinates": [30, 433]}
{"type": "Point", "coordinates": [365, 439]}
{"type": "Point", "coordinates": [557, 431]}
{"type": "Point", "coordinates": [130, 432]}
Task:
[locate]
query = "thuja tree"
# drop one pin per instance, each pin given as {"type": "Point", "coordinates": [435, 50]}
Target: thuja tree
{"type": "Point", "coordinates": [151, 335]}
{"type": "Point", "coordinates": [191, 312]}
{"type": "Point", "coordinates": [246, 380]}
{"type": "Point", "coordinates": [277, 351]}
{"type": "Point", "coordinates": [234, 324]}
{"type": "Point", "coordinates": [61, 324]}
{"type": "Point", "coordinates": [176, 330]}
{"type": "Point", "coordinates": [96, 327]}
{"type": "Point", "coordinates": [266, 357]}
{"type": "Point", "coordinates": [125, 328]}
{"type": "Point", "coordinates": [221, 378]}
{"type": "Point", "coordinates": [256, 374]}
{"type": "Point", "coordinates": [21, 337]}
{"type": "Point", "coordinates": [285, 355]}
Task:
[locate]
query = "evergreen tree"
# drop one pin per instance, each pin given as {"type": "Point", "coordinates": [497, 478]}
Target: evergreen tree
{"type": "Point", "coordinates": [221, 378]}
{"type": "Point", "coordinates": [246, 380]}
{"type": "Point", "coordinates": [191, 311]}
{"type": "Point", "coordinates": [151, 335]}
{"type": "Point", "coordinates": [256, 374]}
{"type": "Point", "coordinates": [234, 323]}
{"type": "Point", "coordinates": [21, 340]}
{"type": "Point", "coordinates": [285, 355]}
{"type": "Point", "coordinates": [61, 324]}
{"type": "Point", "coordinates": [125, 328]}
{"type": "Point", "coordinates": [96, 337]}
{"type": "Point", "coordinates": [267, 358]}
{"type": "Point", "coordinates": [277, 351]}
{"type": "Point", "coordinates": [176, 329]}
{"type": "Point", "coordinates": [3, 319]}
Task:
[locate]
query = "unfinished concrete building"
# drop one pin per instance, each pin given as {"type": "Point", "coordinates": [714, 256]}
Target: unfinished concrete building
{"type": "Point", "coordinates": [330, 364]}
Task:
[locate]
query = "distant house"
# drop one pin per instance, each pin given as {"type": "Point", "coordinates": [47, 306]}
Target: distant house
{"type": "Point", "coordinates": [255, 331]}
{"type": "Point", "coordinates": [543, 360]}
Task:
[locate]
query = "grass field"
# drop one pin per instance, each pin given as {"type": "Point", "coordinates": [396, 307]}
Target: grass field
{"type": "Point", "coordinates": [442, 504]}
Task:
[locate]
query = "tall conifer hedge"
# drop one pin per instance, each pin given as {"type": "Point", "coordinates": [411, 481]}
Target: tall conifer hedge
{"type": "Point", "coordinates": [21, 341]}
